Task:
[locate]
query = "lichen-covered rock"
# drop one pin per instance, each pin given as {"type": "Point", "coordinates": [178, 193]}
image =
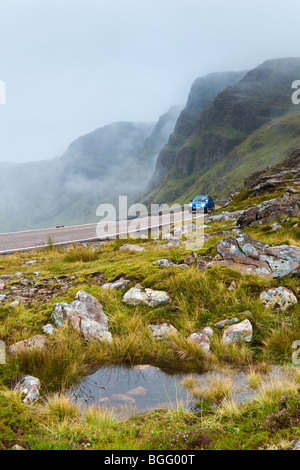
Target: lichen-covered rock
{"type": "Point", "coordinates": [242, 331]}
{"type": "Point", "coordinates": [35, 342]}
{"type": "Point", "coordinates": [140, 295]}
{"type": "Point", "coordinates": [162, 330]}
{"type": "Point", "coordinates": [85, 314]}
{"type": "Point", "coordinates": [279, 298]}
{"type": "Point", "coordinates": [29, 387]}
{"type": "Point", "coordinates": [254, 257]}
{"type": "Point", "coordinates": [269, 211]}
{"type": "Point", "coordinates": [202, 338]}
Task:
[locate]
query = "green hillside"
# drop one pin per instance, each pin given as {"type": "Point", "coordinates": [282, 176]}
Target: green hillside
{"type": "Point", "coordinates": [266, 146]}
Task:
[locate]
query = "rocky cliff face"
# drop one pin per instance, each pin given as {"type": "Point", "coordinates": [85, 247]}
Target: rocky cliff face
{"type": "Point", "coordinates": [204, 90]}
{"type": "Point", "coordinates": [262, 95]}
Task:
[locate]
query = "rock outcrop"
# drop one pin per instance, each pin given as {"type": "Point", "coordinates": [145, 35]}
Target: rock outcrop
{"type": "Point", "coordinates": [254, 257]}
{"type": "Point", "coordinates": [270, 211]}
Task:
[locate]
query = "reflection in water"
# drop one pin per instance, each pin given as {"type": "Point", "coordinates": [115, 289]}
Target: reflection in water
{"type": "Point", "coordinates": [141, 388]}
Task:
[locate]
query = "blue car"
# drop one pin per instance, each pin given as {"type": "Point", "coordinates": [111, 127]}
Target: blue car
{"type": "Point", "coordinates": [201, 204]}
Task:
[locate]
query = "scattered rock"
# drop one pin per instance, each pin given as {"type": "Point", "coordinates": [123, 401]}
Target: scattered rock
{"type": "Point", "coordinates": [14, 304]}
{"type": "Point", "coordinates": [138, 294]}
{"type": "Point", "coordinates": [240, 332]}
{"type": "Point", "coordinates": [17, 447]}
{"type": "Point", "coordinates": [29, 387]}
{"type": "Point", "coordinates": [131, 248]}
{"type": "Point", "coordinates": [48, 329]}
{"type": "Point", "coordinates": [2, 297]}
{"type": "Point", "coordinates": [275, 227]}
{"type": "Point", "coordinates": [190, 259]}
{"type": "Point", "coordinates": [85, 314]}
{"type": "Point", "coordinates": [202, 338]}
{"type": "Point", "coordinates": [232, 286]}
{"type": "Point", "coordinates": [162, 330]}
{"type": "Point", "coordinates": [280, 298]}
{"type": "Point", "coordinates": [35, 342]}
{"type": "Point", "coordinates": [225, 216]}
{"type": "Point", "coordinates": [119, 284]}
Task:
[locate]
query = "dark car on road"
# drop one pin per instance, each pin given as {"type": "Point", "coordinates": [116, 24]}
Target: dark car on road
{"type": "Point", "coordinates": [202, 203]}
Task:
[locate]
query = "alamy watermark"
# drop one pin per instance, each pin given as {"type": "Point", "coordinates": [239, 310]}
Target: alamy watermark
{"type": "Point", "coordinates": [161, 221]}
{"type": "Point", "coordinates": [296, 94]}
{"type": "Point", "coordinates": [2, 92]}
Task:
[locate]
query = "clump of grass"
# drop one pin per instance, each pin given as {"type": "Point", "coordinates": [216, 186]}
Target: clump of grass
{"type": "Point", "coordinates": [81, 254]}
{"type": "Point", "coordinates": [254, 378]}
{"type": "Point", "coordinates": [216, 389]}
{"type": "Point", "coordinates": [270, 392]}
{"type": "Point", "coordinates": [60, 407]}
{"type": "Point", "coordinates": [230, 353]}
{"type": "Point", "coordinates": [100, 419]}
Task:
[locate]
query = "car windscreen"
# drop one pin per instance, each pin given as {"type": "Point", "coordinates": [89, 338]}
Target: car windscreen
{"type": "Point", "coordinates": [200, 199]}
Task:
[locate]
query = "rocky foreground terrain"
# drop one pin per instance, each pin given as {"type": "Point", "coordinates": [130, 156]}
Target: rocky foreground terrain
{"type": "Point", "coordinates": [231, 306]}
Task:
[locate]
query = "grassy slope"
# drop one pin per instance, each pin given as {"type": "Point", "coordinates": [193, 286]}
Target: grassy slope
{"type": "Point", "coordinates": [266, 146]}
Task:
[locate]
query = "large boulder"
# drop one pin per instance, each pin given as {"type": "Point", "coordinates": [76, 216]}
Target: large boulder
{"type": "Point", "coordinates": [278, 298]}
{"type": "Point", "coordinates": [140, 295]}
{"type": "Point", "coordinates": [85, 314]}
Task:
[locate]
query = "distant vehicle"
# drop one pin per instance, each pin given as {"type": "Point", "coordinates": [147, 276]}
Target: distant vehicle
{"type": "Point", "coordinates": [202, 204]}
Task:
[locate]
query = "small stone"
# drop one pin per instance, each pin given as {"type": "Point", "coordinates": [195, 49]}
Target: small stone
{"type": "Point", "coordinates": [48, 329]}
{"type": "Point", "coordinates": [29, 387]}
{"type": "Point", "coordinates": [137, 295]}
{"type": "Point", "coordinates": [131, 248]}
{"type": "Point", "coordinates": [120, 284]}
{"type": "Point", "coordinates": [162, 330]}
{"type": "Point", "coordinates": [240, 332]}
{"type": "Point", "coordinates": [232, 286]}
{"type": "Point", "coordinates": [275, 227]}
{"type": "Point", "coordinates": [14, 304]}
{"type": "Point", "coordinates": [2, 297]}
{"type": "Point", "coordinates": [17, 447]}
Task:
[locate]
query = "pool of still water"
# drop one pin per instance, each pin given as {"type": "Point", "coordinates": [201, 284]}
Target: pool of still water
{"type": "Point", "coordinates": [140, 388]}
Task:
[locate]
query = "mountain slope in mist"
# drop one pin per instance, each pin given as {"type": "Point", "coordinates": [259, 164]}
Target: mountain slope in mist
{"type": "Point", "coordinates": [117, 159]}
{"type": "Point", "coordinates": [262, 95]}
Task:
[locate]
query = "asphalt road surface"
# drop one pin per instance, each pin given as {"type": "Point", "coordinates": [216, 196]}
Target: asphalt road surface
{"type": "Point", "coordinates": [25, 241]}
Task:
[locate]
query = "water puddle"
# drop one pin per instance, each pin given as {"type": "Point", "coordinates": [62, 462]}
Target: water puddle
{"type": "Point", "coordinates": [144, 388]}
{"type": "Point", "coordinates": [140, 388]}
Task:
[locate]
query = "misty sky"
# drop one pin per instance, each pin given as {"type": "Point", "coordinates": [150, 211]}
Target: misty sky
{"type": "Point", "coordinates": [71, 66]}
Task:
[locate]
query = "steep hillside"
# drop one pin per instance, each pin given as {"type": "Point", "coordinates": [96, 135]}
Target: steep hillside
{"type": "Point", "coordinates": [204, 90]}
{"type": "Point", "coordinates": [219, 142]}
{"type": "Point", "coordinates": [98, 167]}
